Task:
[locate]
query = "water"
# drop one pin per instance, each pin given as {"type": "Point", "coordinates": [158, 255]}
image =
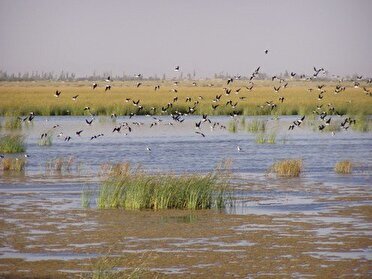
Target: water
{"type": "Point", "coordinates": [178, 148]}
{"type": "Point", "coordinates": [321, 216]}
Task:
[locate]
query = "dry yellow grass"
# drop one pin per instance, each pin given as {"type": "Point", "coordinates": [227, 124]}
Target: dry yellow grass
{"type": "Point", "coordinates": [288, 168]}
{"type": "Point", "coordinates": [12, 164]}
{"type": "Point", "coordinates": [343, 167]}
{"type": "Point", "coordinates": [23, 97]}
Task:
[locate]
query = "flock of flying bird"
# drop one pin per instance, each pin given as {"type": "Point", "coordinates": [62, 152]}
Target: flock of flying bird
{"type": "Point", "coordinates": [325, 112]}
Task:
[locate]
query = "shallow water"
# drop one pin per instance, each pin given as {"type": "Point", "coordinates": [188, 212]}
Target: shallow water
{"type": "Point", "coordinates": [45, 229]}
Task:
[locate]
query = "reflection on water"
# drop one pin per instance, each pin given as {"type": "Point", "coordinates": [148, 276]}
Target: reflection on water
{"type": "Point", "coordinates": [321, 218]}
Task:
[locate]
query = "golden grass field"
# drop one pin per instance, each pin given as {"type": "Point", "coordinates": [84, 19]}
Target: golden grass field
{"type": "Point", "coordinates": [21, 98]}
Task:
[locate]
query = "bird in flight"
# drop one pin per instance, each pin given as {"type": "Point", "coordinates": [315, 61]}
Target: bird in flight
{"type": "Point", "coordinates": [200, 133]}
{"type": "Point", "coordinates": [266, 51]}
{"type": "Point", "coordinates": [176, 68]}
{"type": "Point", "coordinates": [57, 93]}
{"type": "Point", "coordinates": [78, 133]}
{"type": "Point", "coordinates": [89, 122]}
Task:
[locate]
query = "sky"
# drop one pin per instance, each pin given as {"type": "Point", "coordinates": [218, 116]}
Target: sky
{"type": "Point", "coordinates": [152, 36]}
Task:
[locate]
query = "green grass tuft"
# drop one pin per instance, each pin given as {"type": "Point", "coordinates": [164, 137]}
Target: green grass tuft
{"type": "Point", "coordinates": [135, 189]}
{"type": "Point", "coordinates": [13, 123]}
{"type": "Point", "coordinates": [12, 144]}
{"type": "Point", "coordinates": [46, 141]}
{"type": "Point", "coordinates": [256, 126]}
{"type": "Point", "coordinates": [264, 138]}
{"type": "Point", "coordinates": [86, 197]}
{"type": "Point", "coordinates": [362, 124]}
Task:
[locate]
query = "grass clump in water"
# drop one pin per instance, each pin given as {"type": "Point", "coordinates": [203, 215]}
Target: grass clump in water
{"type": "Point", "coordinates": [232, 126]}
{"type": "Point", "coordinates": [263, 138]}
{"type": "Point", "coordinates": [86, 197]}
{"type": "Point", "coordinates": [362, 124]}
{"type": "Point", "coordinates": [135, 189]}
{"type": "Point", "coordinates": [108, 267]}
{"type": "Point", "coordinates": [287, 168]}
{"type": "Point", "coordinates": [13, 123]}
{"type": "Point", "coordinates": [343, 167]}
{"type": "Point", "coordinates": [12, 144]}
{"type": "Point", "coordinates": [60, 165]}
{"type": "Point", "coordinates": [13, 164]}
{"type": "Point", "coordinates": [46, 141]}
{"type": "Point", "coordinates": [256, 126]}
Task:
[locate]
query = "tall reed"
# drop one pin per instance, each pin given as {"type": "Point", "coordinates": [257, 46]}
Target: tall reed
{"type": "Point", "coordinates": [135, 189]}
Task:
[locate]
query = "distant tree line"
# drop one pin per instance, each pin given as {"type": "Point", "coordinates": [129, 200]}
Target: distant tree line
{"type": "Point", "coordinates": [67, 76]}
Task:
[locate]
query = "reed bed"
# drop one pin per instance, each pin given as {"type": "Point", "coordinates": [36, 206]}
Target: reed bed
{"type": "Point", "coordinates": [12, 164]}
{"type": "Point", "coordinates": [133, 188]}
{"type": "Point", "coordinates": [12, 144]}
{"type": "Point", "coordinates": [20, 98]}
{"type": "Point", "coordinates": [343, 167]}
{"type": "Point", "coordinates": [287, 168]}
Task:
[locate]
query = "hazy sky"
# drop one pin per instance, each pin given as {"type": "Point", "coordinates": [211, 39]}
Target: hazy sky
{"type": "Point", "coordinates": [207, 36]}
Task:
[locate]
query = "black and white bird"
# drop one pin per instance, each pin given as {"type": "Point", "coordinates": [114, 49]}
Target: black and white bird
{"type": "Point", "coordinates": [57, 94]}
{"type": "Point", "coordinates": [200, 133]}
{"type": "Point", "coordinates": [75, 97]}
{"type": "Point", "coordinates": [89, 122]}
{"type": "Point", "coordinates": [94, 85]}
{"type": "Point", "coordinates": [176, 68]}
{"type": "Point", "coordinates": [299, 121]}
{"type": "Point", "coordinates": [96, 136]}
